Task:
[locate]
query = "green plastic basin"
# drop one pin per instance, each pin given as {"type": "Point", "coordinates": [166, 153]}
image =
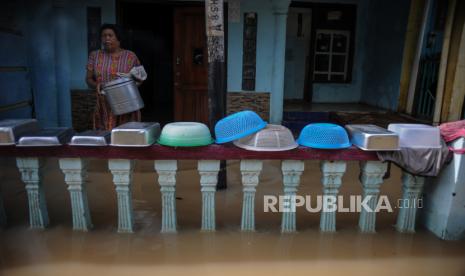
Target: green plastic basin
{"type": "Point", "coordinates": [185, 134]}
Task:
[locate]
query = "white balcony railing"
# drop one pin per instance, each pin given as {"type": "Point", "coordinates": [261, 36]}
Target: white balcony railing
{"type": "Point", "coordinates": [74, 164]}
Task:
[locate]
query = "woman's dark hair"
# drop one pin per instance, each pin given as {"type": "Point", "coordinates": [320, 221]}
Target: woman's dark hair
{"type": "Point", "coordinates": [115, 28]}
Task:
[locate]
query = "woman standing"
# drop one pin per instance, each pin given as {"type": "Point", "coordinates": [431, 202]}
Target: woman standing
{"type": "Point", "coordinates": [105, 65]}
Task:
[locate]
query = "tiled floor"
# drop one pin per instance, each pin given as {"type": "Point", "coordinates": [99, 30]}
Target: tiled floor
{"type": "Point", "coordinates": [330, 107]}
{"type": "Point", "coordinates": [298, 113]}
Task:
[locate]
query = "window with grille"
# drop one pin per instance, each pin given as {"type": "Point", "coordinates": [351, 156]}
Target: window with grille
{"type": "Point", "coordinates": [331, 56]}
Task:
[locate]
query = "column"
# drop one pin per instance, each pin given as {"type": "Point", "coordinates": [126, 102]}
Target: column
{"type": "Point", "coordinates": [31, 174]}
{"type": "Point", "coordinates": [332, 172]}
{"type": "Point", "coordinates": [292, 170]}
{"type": "Point", "coordinates": [2, 213]}
{"type": "Point", "coordinates": [42, 61]}
{"type": "Point", "coordinates": [75, 170]}
{"type": "Point", "coordinates": [412, 187]}
{"type": "Point", "coordinates": [443, 212]}
{"type": "Point", "coordinates": [122, 170]}
{"type": "Point", "coordinates": [63, 70]}
{"type": "Point", "coordinates": [250, 170]}
{"type": "Point", "coordinates": [208, 170]}
{"type": "Point", "coordinates": [166, 170]}
{"type": "Point", "coordinates": [371, 178]}
{"type": "Point", "coordinates": [280, 9]}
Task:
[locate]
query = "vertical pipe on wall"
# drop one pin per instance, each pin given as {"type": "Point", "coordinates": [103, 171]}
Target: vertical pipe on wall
{"type": "Point", "coordinates": [443, 64]}
{"type": "Point", "coordinates": [411, 37]}
{"type": "Point", "coordinates": [42, 62]}
{"type": "Point", "coordinates": [62, 64]}
{"type": "Point", "coordinates": [280, 8]}
{"type": "Point", "coordinates": [416, 62]}
{"type": "Point", "coordinates": [458, 87]}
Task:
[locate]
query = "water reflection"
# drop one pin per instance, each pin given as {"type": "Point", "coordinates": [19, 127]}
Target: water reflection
{"type": "Point", "coordinates": [60, 251]}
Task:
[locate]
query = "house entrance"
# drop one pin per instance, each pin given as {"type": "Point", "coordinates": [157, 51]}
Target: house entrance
{"type": "Point", "coordinates": [169, 39]}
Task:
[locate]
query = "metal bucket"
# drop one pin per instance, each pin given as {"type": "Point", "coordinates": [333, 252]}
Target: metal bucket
{"type": "Point", "coordinates": [123, 96]}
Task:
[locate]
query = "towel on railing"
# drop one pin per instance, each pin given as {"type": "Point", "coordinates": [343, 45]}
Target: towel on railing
{"type": "Point", "coordinates": [453, 131]}
{"type": "Point", "coordinates": [419, 161]}
{"type": "Point", "coordinates": [137, 72]}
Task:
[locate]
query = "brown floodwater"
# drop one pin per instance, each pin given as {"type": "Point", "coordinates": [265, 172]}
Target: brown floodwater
{"type": "Point", "coordinates": [60, 251]}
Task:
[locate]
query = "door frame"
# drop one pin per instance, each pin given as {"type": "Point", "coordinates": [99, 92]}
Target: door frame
{"type": "Point", "coordinates": [176, 4]}
{"type": "Point", "coordinates": [316, 7]}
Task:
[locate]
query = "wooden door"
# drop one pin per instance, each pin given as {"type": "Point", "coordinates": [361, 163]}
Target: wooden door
{"type": "Point", "coordinates": [190, 65]}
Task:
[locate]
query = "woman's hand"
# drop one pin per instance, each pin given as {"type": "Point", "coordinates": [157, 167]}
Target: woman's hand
{"type": "Point", "coordinates": [98, 87]}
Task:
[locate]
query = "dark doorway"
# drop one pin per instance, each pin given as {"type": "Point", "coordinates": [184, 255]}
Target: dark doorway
{"type": "Point", "coordinates": [149, 33]}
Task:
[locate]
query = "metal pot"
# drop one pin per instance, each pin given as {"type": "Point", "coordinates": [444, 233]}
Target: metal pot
{"type": "Point", "coordinates": [123, 96]}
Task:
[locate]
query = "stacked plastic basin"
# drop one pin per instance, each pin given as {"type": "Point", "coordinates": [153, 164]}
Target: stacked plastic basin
{"type": "Point", "coordinates": [248, 131]}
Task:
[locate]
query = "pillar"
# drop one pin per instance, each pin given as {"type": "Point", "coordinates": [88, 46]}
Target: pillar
{"type": "Point", "coordinates": [292, 170]}
{"type": "Point", "coordinates": [75, 170]}
{"type": "Point", "coordinates": [250, 170]}
{"type": "Point", "coordinates": [122, 170]}
{"type": "Point", "coordinates": [208, 170]}
{"type": "Point", "coordinates": [371, 178]}
{"type": "Point", "coordinates": [280, 9]}
{"type": "Point", "coordinates": [166, 170]}
{"type": "Point", "coordinates": [332, 172]}
{"type": "Point", "coordinates": [412, 187]}
{"type": "Point", "coordinates": [31, 174]}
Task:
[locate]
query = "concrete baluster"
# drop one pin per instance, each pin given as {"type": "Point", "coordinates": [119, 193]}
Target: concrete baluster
{"type": "Point", "coordinates": [75, 170]}
{"type": "Point", "coordinates": [412, 188]}
{"type": "Point", "coordinates": [31, 174]}
{"type": "Point", "coordinates": [250, 170]}
{"type": "Point", "coordinates": [166, 170]}
{"type": "Point", "coordinates": [122, 170]}
{"type": "Point", "coordinates": [371, 179]}
{"type": "Point", "coordinates": [208, 170]}
{"type": "Point", "coordinates": [332, 172]}
{"type": "Point", "coordinates": [292, 170]}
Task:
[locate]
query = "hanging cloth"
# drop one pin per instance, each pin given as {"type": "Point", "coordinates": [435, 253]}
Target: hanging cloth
{"type": "Point", "coordinates": [453, 131]}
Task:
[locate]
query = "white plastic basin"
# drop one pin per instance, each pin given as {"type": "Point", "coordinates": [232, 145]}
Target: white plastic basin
{"type": "Point", "coordinates": [417, 135]}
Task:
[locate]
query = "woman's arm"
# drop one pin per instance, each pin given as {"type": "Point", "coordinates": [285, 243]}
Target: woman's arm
{"type": "Point", "coordinates": [90, 80]}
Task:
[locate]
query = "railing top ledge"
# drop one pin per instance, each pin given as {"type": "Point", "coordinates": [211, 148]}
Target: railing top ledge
{"type": "Point", "coordinates": [158, 152]}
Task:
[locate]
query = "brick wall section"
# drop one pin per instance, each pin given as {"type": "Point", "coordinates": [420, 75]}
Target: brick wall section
{"type": "Point", "coordinates": [82, 108]}
{"type": "Point", "coordinates": [255, 101]}
{"type": "Point", "coordinates": [83, 105]}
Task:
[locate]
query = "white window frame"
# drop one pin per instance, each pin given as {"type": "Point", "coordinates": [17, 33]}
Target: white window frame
{"type": "Point", "coordinates": [330, 54]}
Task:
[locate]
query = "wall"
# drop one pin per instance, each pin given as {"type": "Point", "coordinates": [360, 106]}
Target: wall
{"type": "Point", "coordinates": [258, 102]}
{"type": "Point", "coordinates": [15, 85]}
{"type": "Point", "coordinates": [297, 49]}
{"type": "Point", "coordinates": [388, 22]}
{"type": "Point", "coordinates": [376, 71]}
{"type": "Point", "coordinates": [379, 38]}
{"type": "Point", "coordinates": [327, 92]}
{"type": "Point", "coordinates": [294, 83]}
{"type": "Point", "coordinates": [83, 107]}
{"type": "Point", "coordinates": [348, 92]}
{"type": "Point", "coordinates": [265, 42]}
{"type": "Point", "coordinates": [53, 48]}
{"type": "Point", "coordinates": [436, 45]}
{"type": "Point", "coordinates": [77, 32]}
